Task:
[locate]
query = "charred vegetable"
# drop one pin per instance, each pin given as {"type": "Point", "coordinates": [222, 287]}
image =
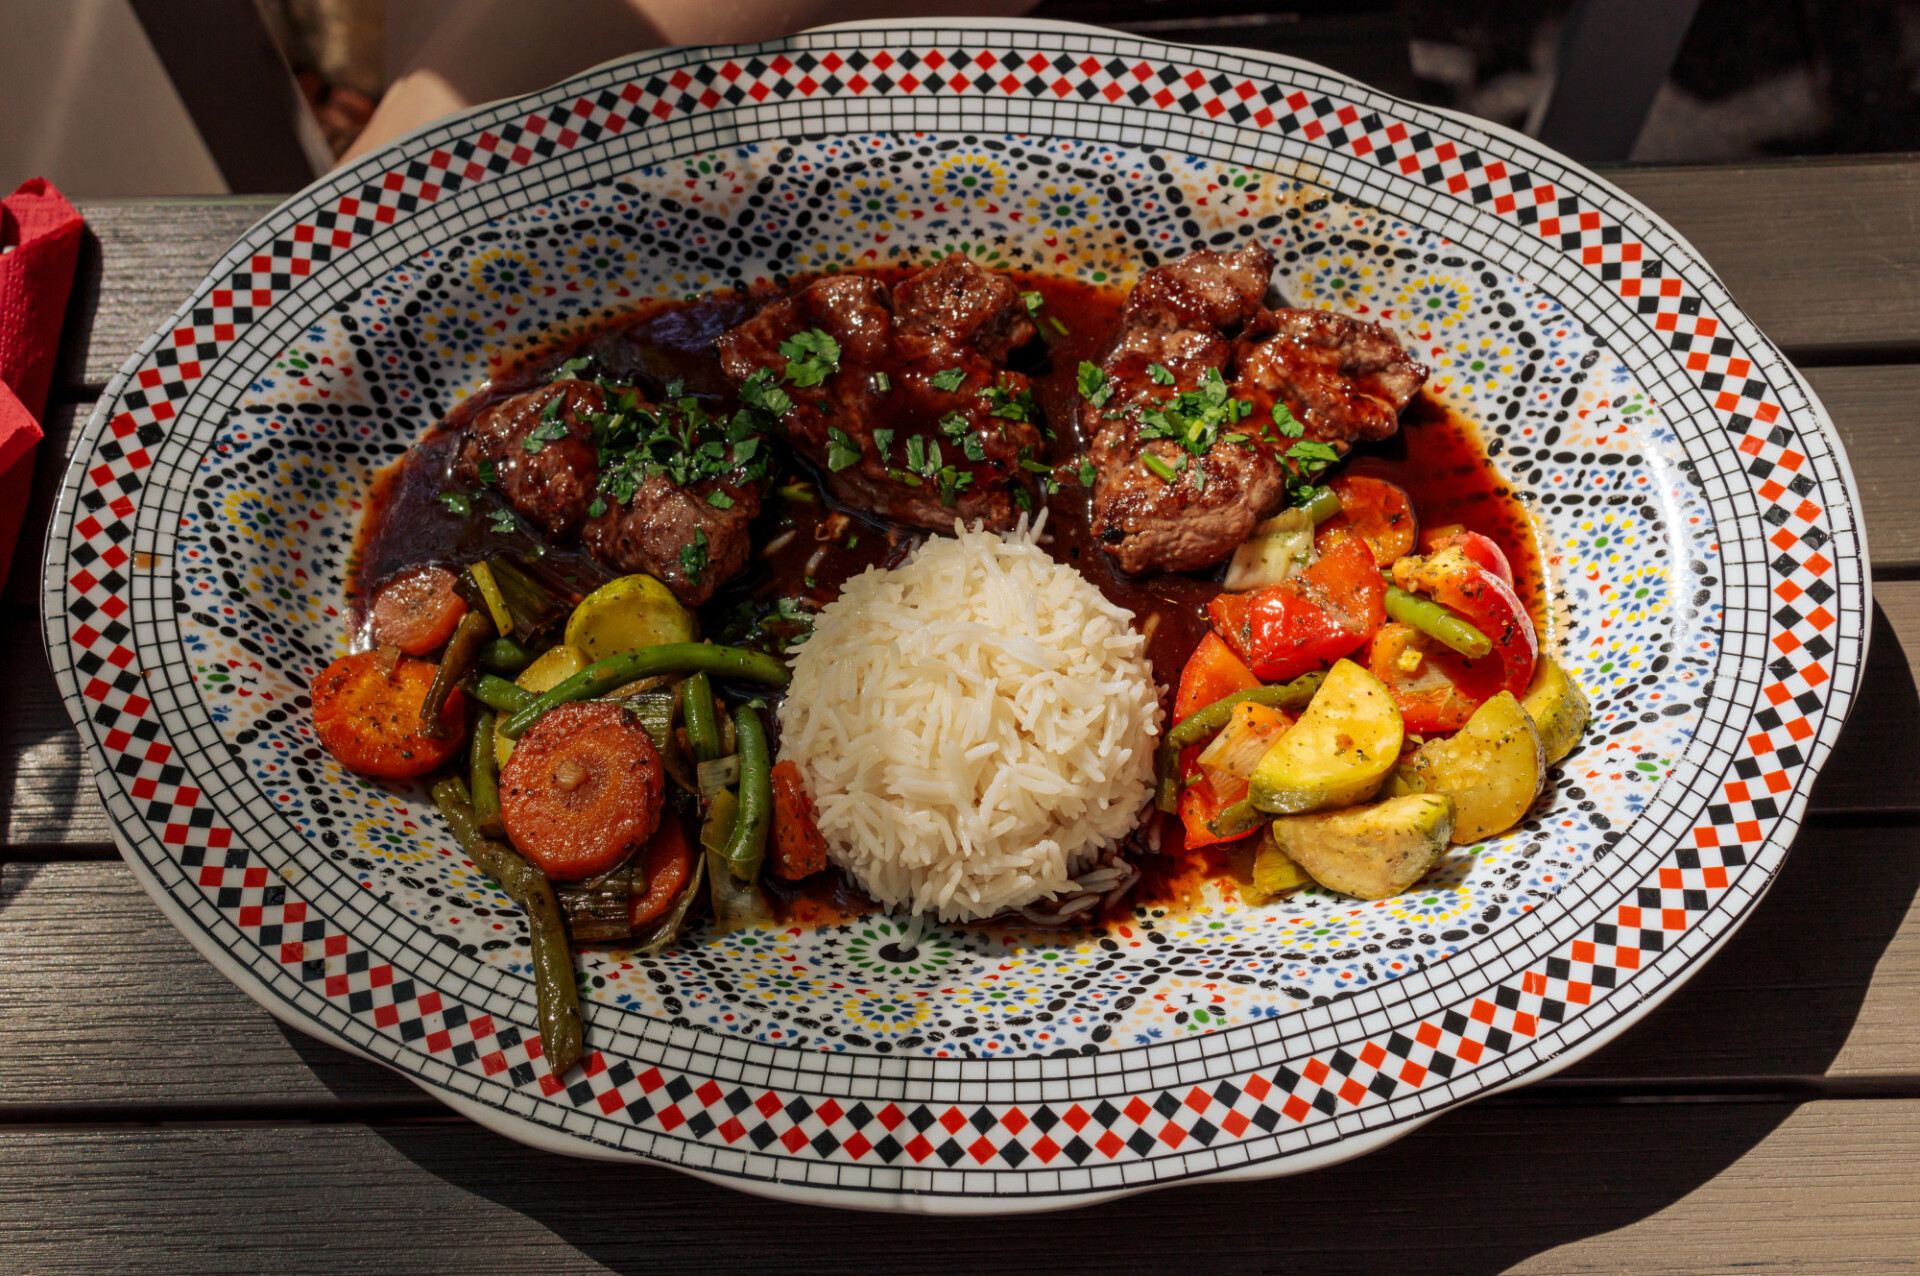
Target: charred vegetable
{"type": "Point", "coordinates": [520, 606]}
{"type": "Point", "coordinates": [455, 663]}
{"type": "Point", "coordinates": [747, 845]}
{"type": "Point", "coordinates": [417, 610]}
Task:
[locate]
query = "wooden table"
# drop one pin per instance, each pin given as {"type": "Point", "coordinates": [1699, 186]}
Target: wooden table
{"type": "Point", "coordinates": [1768, 1115]}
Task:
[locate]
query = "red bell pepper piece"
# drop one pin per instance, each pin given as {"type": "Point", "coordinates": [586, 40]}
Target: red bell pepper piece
{"type": "Point", "coordinates": [1212, 673]}
{"type": "Point", "coordinates": [1322, 614]}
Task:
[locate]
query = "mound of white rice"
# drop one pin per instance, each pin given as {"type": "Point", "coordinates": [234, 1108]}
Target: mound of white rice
{"type": "Point", "coordinates": [976, 725]}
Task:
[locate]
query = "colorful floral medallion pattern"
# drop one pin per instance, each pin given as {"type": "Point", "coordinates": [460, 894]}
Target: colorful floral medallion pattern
{"type": "Point", "coordinates": [1705, 567]}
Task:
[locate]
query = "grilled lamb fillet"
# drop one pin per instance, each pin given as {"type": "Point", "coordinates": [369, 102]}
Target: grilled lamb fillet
{"type": "Point", "coordinates": [1343, 378]}
{"type": "Point", "coordinates": [953, 315]}
{"type": "Point", "coordinates": [1177, 317]}
{"type": "Point", "coordinates": [554, 488]}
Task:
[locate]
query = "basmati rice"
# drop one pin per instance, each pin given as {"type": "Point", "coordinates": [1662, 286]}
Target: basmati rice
{"type": "Point", "coordinates": [976, 726]}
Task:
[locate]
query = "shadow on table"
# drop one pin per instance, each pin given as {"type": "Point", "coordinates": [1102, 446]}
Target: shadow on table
{"type": "Point", "coordinates": [1478, 1190]}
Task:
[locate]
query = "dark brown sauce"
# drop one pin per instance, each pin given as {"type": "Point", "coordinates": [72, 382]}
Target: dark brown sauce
{"type": "Point", "coordinates": [808, 548]}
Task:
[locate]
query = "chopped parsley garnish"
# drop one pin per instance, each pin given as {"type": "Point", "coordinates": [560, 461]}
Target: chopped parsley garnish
{"type": "Point", "coordinates": [1023, 499]}
{"type": "Point", "coordinates": [572, 368]}
{"type": "Point", "coordinates": [693, 557]}
{"type": "Point", "coordinates": [1160, 374]}
{"type": "Point", "coordinates": [489, 472]}
{"type": "Point", "coordinates": [951, 379]}
{"type": "Point", "coordinates": [843, 450]}
{"type": "Point", "coordinates": [1011, 407]}
{"type": "Point", "coordinates": [1087, 474]}
{"type": "Point", "coordinates": [1309, 457]}
{"type": "Point", "coordinates": [917, 453]}
{"type": "Point", "coordinates": [503, 521]}
{"type": "Point", "coordinates": [1032, 466]}
{"type": "Point", "coordinates": [1283, 420]}
{"type": "Point", "coordinates": [812, 357]}
{"type": "Point", "coordinates": [550, 428]}
{"type": "Point", "coordinates": [598, 507]}
{"type": "Point", "coordinates": [882, 382]}
{"type": "Point", "coordinates": [681, 440]}
{"type": "Point", "coordinates": [458, 503]}
{"type": "Point", "coordinates": [975, 447]}
{"type": "Point", "coordinates": [1093, 385]}
{"type": "Point", "coordinates": [951, 483]}
{"type": "Point", "coordinates": [1034, 301]}
{"type": "Point", "coordinates": [762, 394]}
{"type": "Point", "coordinates": [1196, 419]}
{"type": "Point", "coordinates": [882, 442]}
{"type": "Point", "coordinates": [719, 499]}
{"type": "Point", "coordinates": [1061, 328]}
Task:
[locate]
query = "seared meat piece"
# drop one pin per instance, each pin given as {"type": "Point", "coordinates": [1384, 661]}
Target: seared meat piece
{"type": "Point", "coordinates": [547, 463]}
{"type": "Point", "coordinates": [676, 535]}
{"type": "Point", "coordinates": [1169, 497]}
{"type": "Point", "coordinates": [551, 485]}
{"type": "Point", "coordinates": [1173, 321]}
{"type": "Point", "coordinates": [914, 418]}
{"type": "Point", "coordinates": [1343, 378]}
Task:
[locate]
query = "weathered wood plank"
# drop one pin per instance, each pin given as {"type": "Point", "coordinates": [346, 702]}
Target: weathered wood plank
{"type": "Point", "coordinates": [1834, 952]}
{"type": "Point", "coordinates": [1827, 1186]}
{"type": "Point", "coordinates": [1877, 412]}
{"type": "Point", "coordinates": [1823, 254]}
{"type": "Point", "coordinates": [140, 260]}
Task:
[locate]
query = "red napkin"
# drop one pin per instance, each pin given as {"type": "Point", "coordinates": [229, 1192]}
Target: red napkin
{"type": "Point", "coordinates": [39, 245]}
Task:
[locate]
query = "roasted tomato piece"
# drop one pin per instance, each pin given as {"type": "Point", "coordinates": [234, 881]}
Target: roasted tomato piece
{"type": "Point", "coordinates": [1454, 578]}
{"type": "Point", "coordinates": [1481, 549]}
{"type": "Point", "coordinates": [1437, 689]}
{"type": "Point", "coordinates": [1376, 511]}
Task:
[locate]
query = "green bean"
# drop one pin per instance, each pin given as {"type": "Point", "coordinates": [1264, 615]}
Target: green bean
{"type": "Point", "coordinates": [748, 844]}
{"type": "Point", "coordinates": [455, 662]}
{"type": "Point", "coordinates": [483, 778]}
{"type": "Point", "coordinates": [703, 729]}
{"type": "Point", "coordinates": [1323, 504]}
{"type": "Point", "coordinates": [1436, 622]}
{"type": "Point", "coordinates": [1204, 722]}
{"type": "Point", "coordinates": [504, 655]}
{"type": "Point", "coordinates": [499, 694]}
{"type": "Point", "coordinates": [672, 657]}
{"type": "Point", "coordinates": [561, 1033]}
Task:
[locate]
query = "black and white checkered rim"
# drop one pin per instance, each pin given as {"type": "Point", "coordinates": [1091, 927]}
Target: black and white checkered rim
{"type": "Point", "coordinates": [876, 1131]}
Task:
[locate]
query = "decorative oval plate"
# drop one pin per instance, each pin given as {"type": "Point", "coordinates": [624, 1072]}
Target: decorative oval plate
{"type": "Point", "coordinates": [1702, 538]}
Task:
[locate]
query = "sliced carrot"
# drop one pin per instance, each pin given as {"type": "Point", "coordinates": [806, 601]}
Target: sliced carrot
{"type": "Point", "coordinates": [366, 709]}
{"type": "Point", "coordinates": [582, 791]}
{"type": "Point", "coordinates": [1375, 510]}
{"type": "Point", "coordinates": [798, 848]}
{"type": "Point", "coordinates": [417, 610]}
{"type": "Point", "coordinates": [669, 862]}
{"type": "Point", "coordinates": [1212, 673]}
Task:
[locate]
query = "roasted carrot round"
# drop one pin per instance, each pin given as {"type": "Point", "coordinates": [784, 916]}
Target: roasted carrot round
{"type": "Point", "coordinates": [417, 610]}
{"type": "Point", "coordinates": [366, 709]}
{"type": "Point", "coordinates": [798, 848]}
{"type": "Point", "coordinates": [582, 790]}
{"type": "Point", "coordinates": [669, 861]}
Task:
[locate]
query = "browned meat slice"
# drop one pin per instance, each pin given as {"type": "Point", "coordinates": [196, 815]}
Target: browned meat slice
{"type": "Point", "coordinates": [677, 535]}
{"type": "Point", "coordinates": [549, 480]}
{"type": "Point", "coordinates": [539, 450]}
{"type": "Point", "coordinates": [1168, 497]}
{"type": "Point", "coordinates": [906, 405]}
{"type": "Point", "coordinates": [1343, 378]}
{"type": "Point", "coordinates": [1171, 350]}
